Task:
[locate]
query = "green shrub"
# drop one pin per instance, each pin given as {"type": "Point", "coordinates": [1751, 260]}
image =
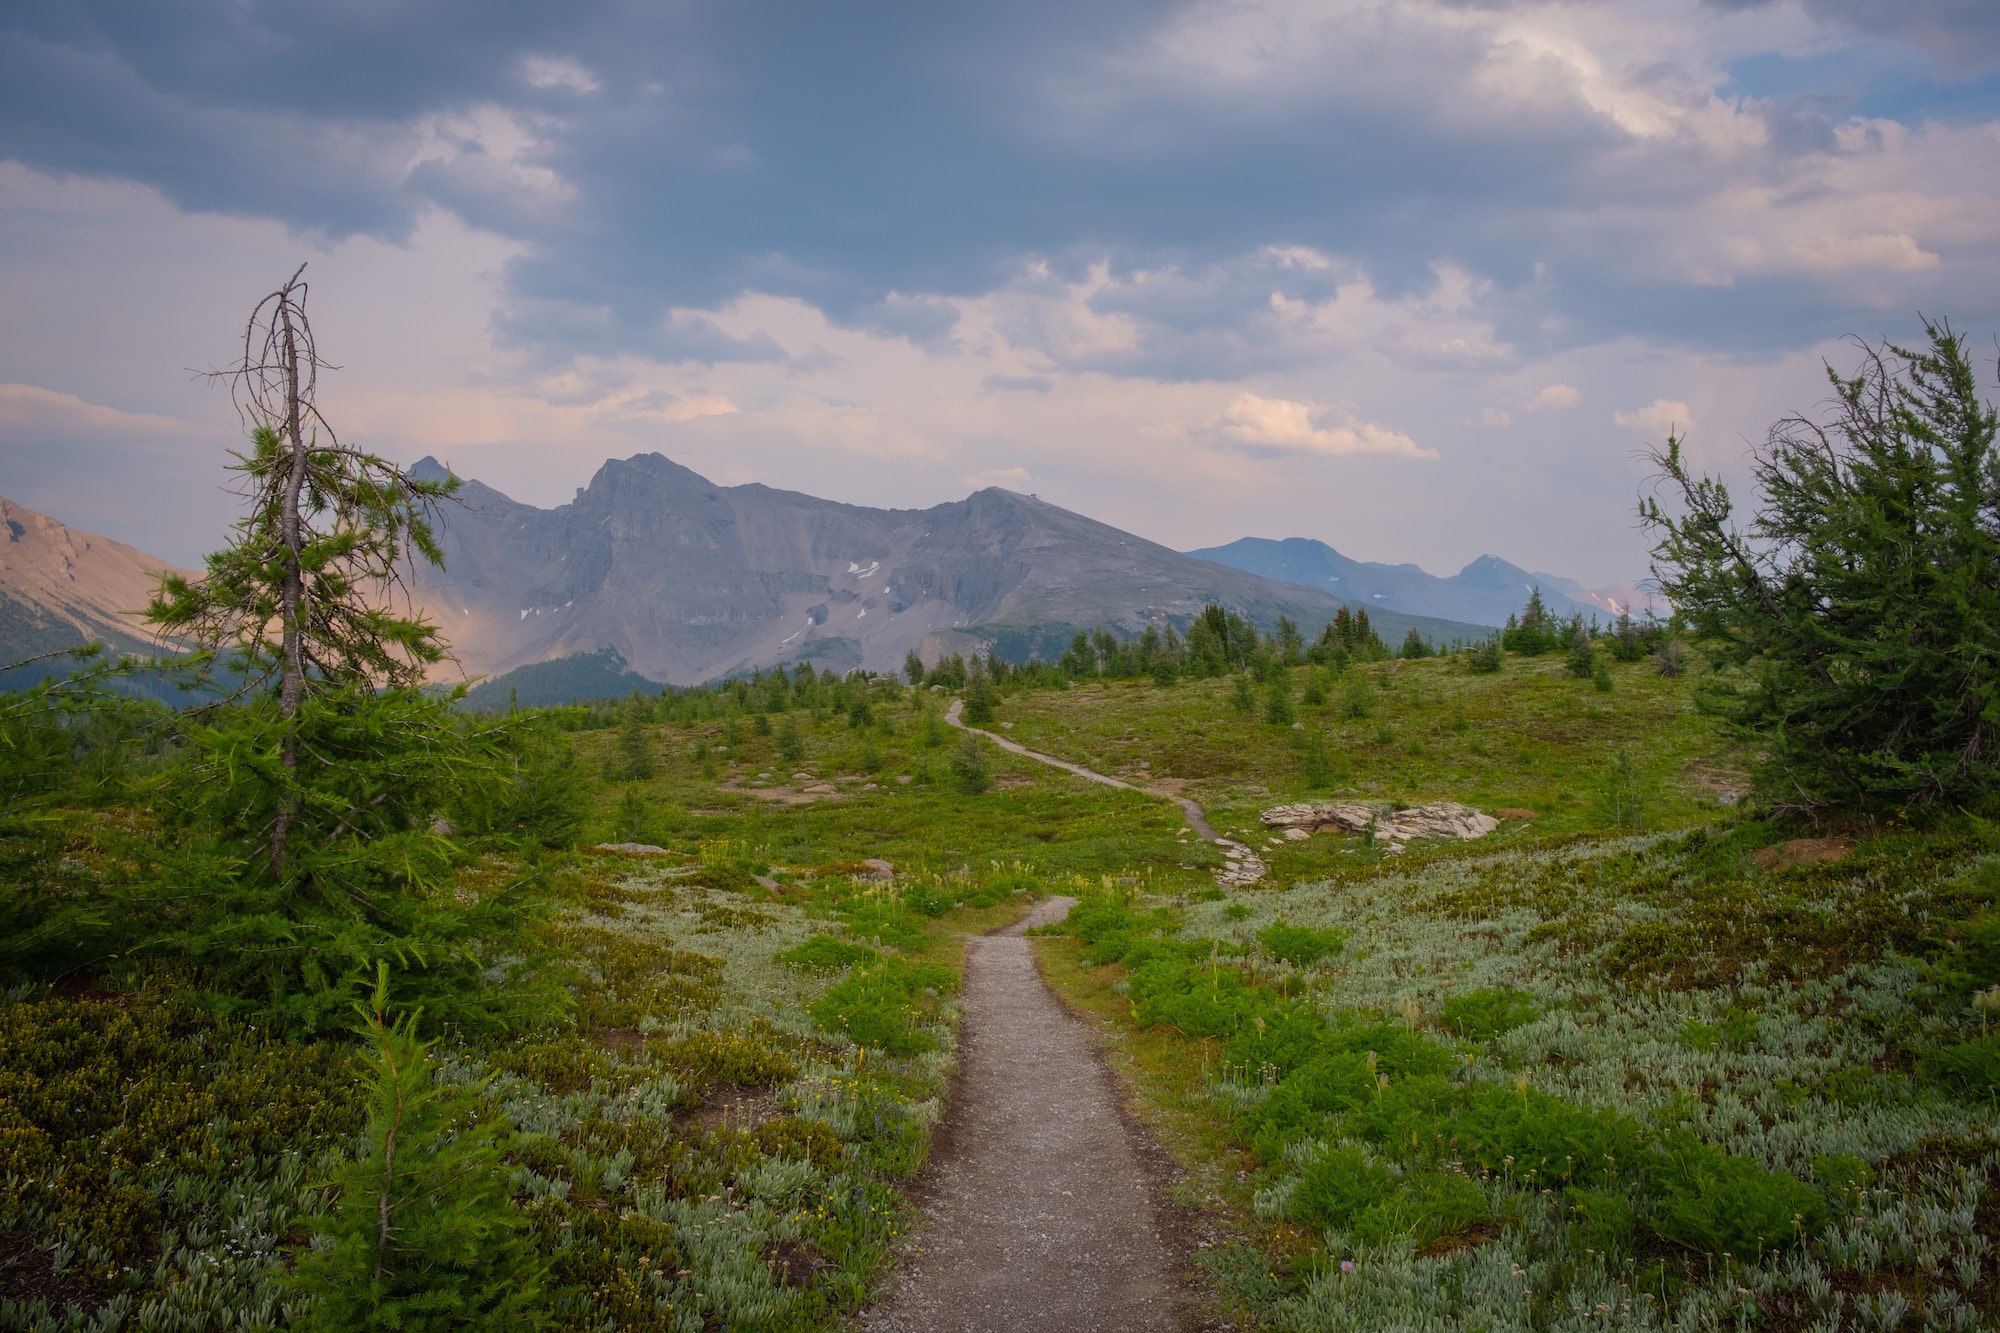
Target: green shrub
{"type": "Point", "coordinates": [1338, 1186]}
{"type": "Point", "coordinates": [1482, 1015]}
{"type": "Point", "coordinates": [1197, 999]}
{"type": "Point", "coordinates": [1736, 1032]}
{"type": "Point", "coordinates": [1301, 945]}
{"type": "Point", "coordinates": [703, 1058]}
{"type": "Point", "coordinates": [883, 920]}
{"type": "Point", "coordinates": [882, 1007]}
{"type": "Point", "coordinates": [1602, 1219]}
{"type": "Point", "coordinates": [1710, 1201]}
{"type": "Point", "coordinates": [1374, 1206]}
{"type": "Point", "coordinates": [929, 899]}
{"type": "Point", "coordinates": [1971, 1067]}
{"type": "Point", "coordinates": [1484, 657]}
{"type": "Point", "coordinates": [826, 953]}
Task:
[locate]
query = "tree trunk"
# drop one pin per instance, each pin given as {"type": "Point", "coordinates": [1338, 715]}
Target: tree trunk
{"type": "Point", "coordinates": [292, 684]}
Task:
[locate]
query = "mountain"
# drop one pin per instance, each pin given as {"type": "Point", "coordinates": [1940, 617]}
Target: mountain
{"type": "Point", "coordinates": [688, 581]}
{"type": "Point", "coordinates": [1486, 591]}
{"type": "Point", "coordinates": [60, 587]}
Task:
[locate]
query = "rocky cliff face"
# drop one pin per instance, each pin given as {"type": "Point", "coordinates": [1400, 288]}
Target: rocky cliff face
{"type": "Point", "coordinates": [690, 581]}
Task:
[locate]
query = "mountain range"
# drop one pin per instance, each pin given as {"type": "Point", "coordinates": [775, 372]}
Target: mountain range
{"type": "Point", "coordinates": [1485, 592]}
{"type": "Point", "coordinates": [689, 581]}
{"type": "Point", "coordinates": [655, 573]}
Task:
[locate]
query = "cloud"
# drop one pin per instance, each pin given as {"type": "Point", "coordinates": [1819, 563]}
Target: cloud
{"type": "Point", "coordinates": [1007, 478]}
{"type": "Point", "coordinates": [1658, 417]}
{"type": "Point", "coordinates": [558, 72]}
{"type": "Point", "coordinates": [1554, 396]}
{"type": "Point", "coordinates": [1279, 425]}
{"type": "Point", "coordinates": [1019, 383]}
{"type": "Point", "coordinates": [1493, 416]}
{"type": "Point", "coordinates": [29, 408]}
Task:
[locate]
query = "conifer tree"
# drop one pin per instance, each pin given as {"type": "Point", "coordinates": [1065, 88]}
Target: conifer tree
{"type": "Point", "coordinates": [1863, 599]}
{"type": "Point", "coordinates": [425, 1236]}
{"type": "Point", "coordinates": [304, 596]}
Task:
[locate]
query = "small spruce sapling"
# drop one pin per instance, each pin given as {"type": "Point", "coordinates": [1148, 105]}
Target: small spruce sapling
{"type": "Point", "coordinates": [425, 1236]}
{"type": "Point", "coordinates": [1243, 700]}
{"type": "Point", "coordinates": [1582, 660]}
{"type": "Point", "coordinates": [978, 697]}
{"type": "Point", "coordinates": [968, 767]}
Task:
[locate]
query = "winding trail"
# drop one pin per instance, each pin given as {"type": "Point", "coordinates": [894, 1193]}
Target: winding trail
{"type": "Point", "coordinates": [1039, 1215]}
{"type": "Point", "coordinates": [1246, 867]}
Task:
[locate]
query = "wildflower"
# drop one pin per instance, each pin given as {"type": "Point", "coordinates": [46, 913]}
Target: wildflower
{"type": "Point", "coordinates": [1347, 1265]}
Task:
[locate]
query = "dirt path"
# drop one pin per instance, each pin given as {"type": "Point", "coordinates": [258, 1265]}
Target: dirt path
{"type": "Point", "coordinates": [1245, 866]}
{"type": "Point", "coordinates": [1039, 1214]}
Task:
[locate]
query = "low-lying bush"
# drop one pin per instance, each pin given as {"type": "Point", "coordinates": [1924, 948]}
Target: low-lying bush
{"type": "Point", "coordinates": [703, 1058]}
{"type": "Point", "coordinates": [827, 953]}
{"type": "Point", "coordinates": [1971, 1067]}
{"type": "Point", "coordinates": [1301, 945]}
{"type": "Point", "coordinates": [1375, 1205]}
{"type": "Point", "coordinates": [1482, 1015]}
{"type": "Point", "coordinates": [884, 1006]}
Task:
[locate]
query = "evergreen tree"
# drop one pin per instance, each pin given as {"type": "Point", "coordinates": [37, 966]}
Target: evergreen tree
{"type": "Point", "coordinates": [1582, 660]}
{"type": "Point", "coordinates": [324, 794]}
{"type": "Point", "coordinates": [968, 767]}
{"type": "Point", "coordinates": [1414, 645]}
{"type": "Point", "coordinates": [1863, 601]}
{"type": "Point", "coordinates": [978, 698]}
{"type": "Point", "coordinates": [1244, 700]}
{"type": "Point", "coordinates": [913, 667]}
{"type": "Point", "coordinates": [1288, 644]}
{"type": "Point", "coordinates": [425, 1236]}
{"type": "Point", "coordinates": [303, 599]}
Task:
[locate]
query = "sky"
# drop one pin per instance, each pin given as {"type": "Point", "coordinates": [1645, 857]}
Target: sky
{"type": "Point", "coordinates": [1421, 279]}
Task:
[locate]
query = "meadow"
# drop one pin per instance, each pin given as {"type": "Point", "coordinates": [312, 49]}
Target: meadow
{"type": "Point", "coordinates": [1640, 1060]}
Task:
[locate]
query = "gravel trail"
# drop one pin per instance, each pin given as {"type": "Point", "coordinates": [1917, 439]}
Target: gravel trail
{"type": "Point", "coordinates": [1038, 1208]}
{"type": "Point", "coordinates": [1245, 866]}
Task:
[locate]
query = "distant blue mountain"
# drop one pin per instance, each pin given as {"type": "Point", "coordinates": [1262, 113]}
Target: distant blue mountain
{"type": "Point", "coordinates": [1485, 592]}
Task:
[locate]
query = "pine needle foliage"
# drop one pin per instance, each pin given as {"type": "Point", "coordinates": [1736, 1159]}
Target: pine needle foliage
{"type": "Point", "coordinates": [425, 1235]}
{"type": "Point", "coordinates": [1863, 599]}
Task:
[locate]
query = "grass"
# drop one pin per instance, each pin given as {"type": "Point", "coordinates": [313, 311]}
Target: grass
{"type": "Point", "coordinates": [1531, 738]}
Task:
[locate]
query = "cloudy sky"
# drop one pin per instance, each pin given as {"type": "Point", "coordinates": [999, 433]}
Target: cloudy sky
{"type": "Point", "coordinates": [1417, 278]}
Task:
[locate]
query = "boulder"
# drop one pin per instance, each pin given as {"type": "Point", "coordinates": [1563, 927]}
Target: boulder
{"type": "Point", "coordinates": [1440, 819]}
{"type": "Point", "coordinates": [1339, 817]}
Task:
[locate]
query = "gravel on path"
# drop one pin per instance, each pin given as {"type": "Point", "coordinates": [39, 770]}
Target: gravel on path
{"type": "Point", "coordinates": [1039, 1211]}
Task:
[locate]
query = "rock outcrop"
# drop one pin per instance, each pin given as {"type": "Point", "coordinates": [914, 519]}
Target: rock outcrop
{"type": "Point", "coordinates": [1440, 819]}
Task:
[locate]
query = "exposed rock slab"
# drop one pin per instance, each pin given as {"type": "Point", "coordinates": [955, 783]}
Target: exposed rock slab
{"type": "Point", "coordinates": [1440, 819]}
